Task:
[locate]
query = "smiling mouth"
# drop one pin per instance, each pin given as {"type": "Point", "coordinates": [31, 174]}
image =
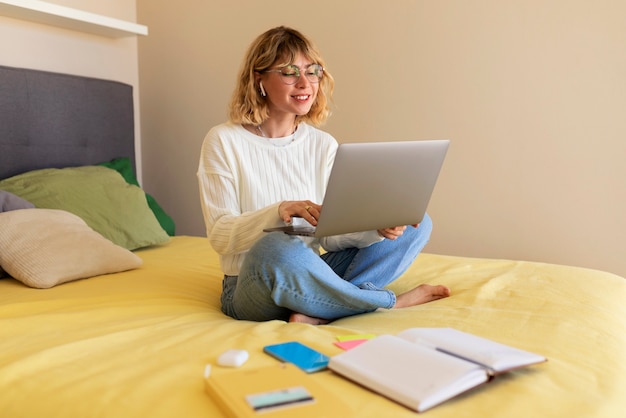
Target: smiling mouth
{"type": "Point", "coordinates": [302, 97]}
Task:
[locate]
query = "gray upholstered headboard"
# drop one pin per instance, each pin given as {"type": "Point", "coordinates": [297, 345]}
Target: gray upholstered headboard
{"type": "Point", "coordinates": [58, 120]}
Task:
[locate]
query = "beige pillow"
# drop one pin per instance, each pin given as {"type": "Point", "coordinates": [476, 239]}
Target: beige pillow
{"type": "Point", "coordinates": [45, 247]}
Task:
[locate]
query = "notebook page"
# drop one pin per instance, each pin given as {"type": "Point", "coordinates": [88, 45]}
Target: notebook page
{"type": "Point", "coordinates": [497, 357]}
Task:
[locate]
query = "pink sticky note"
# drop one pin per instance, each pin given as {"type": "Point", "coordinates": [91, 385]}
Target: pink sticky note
{"type": "Point", "coordinates": [346, 345]}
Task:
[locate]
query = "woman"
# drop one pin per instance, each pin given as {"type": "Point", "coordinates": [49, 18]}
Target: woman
{"type": "Point", "coordinates": [267, 167]}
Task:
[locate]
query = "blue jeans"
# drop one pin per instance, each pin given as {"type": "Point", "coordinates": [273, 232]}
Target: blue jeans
{"type": "Point", "coordinates": [281, 275]}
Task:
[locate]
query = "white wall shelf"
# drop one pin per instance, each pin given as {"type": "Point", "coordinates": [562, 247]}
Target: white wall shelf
{"type": "Point", "coordinates": [70, 18]}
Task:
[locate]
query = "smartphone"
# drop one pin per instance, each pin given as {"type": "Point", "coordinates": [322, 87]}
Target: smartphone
{"type": "Point", "coordinates": [299, 354]}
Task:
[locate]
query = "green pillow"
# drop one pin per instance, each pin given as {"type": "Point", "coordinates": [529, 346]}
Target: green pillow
{"type": "Point", "coordinates": [100, 196]}
{"type": "Point", "coordinates": [124, 167]}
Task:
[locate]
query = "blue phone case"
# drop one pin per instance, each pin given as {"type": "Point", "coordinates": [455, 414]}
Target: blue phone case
{"type": "Point", "coordinates": [299, 354]}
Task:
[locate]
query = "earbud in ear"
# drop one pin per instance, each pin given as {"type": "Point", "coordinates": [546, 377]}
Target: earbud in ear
{"type": "Point", "coordinates": [263, 93]}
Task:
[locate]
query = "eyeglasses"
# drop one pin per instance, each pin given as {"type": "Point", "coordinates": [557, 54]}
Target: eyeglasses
{"type": "Point", "coordinates": [291, 73]}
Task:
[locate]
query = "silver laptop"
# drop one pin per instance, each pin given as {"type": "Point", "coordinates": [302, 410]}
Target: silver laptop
{"type": "Point", "coordinates": [377, 185]}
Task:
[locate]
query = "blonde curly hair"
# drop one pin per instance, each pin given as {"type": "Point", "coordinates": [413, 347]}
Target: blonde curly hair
{"type": "Point", "coordinates": [277, 47]}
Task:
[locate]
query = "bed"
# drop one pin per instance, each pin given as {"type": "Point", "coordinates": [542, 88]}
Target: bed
{"type": "Point", "coordinates": [132, 337]}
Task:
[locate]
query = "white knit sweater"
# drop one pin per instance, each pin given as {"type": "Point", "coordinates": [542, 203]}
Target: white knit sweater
{"type": "Point", "coordinates": [243, 178]}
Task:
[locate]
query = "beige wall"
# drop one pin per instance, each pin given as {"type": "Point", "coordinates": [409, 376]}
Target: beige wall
{"type": "Point", "coordinates": [531, 93]}
{"type": "Point", "coordinates": [39, 46]}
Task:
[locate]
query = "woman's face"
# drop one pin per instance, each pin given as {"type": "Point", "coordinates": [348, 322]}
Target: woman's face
{"type": "Point", "coordinates": [289, 99]}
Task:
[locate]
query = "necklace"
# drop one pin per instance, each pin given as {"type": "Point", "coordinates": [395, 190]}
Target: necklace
{"type": "Point", "coordinates": [273, 141]}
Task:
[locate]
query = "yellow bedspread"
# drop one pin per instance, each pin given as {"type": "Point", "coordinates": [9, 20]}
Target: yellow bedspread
{"type": "Point", "coordinates": [135, 344]}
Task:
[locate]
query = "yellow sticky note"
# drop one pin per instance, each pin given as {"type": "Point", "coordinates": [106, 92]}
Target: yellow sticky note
{"type": "Point", "coordinates": [355, 337]}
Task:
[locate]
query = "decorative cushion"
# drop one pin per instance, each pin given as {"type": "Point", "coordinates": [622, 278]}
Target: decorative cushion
{"type": "Point", "coordinates": [125, 168]}
{"type": "Point", "coordinates": [9, 201]}
{"type": "Point", "coordinates": [99, 195]}
{"type": "Point", "coordinates": [45, 247]}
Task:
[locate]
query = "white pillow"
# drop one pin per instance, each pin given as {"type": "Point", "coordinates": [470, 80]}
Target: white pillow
{"type": "Point", "coordinates": [45, 247]}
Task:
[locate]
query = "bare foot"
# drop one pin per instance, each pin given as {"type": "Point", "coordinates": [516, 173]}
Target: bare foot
{"type": "Point", "coordinates": [421, 294]}
{"type": "Point", "coordinates": [304, 319]}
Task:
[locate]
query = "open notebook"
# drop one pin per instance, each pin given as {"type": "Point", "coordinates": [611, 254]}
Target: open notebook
{"type": "Point", "coordinates": [422, 367]}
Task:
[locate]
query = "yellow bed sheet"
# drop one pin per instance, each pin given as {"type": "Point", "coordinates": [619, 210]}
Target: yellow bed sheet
{"type": "Point", "coordinates": [135, 344]}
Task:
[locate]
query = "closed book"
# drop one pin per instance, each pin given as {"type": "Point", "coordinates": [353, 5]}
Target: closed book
{"type": "Point", "coordinates": [277, 391]}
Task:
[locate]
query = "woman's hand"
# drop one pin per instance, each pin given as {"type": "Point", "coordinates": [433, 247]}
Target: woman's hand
{"type": "Point", "coordinates": [305, 209]}
{"type": "Point", "coordinates": [395, 232]}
